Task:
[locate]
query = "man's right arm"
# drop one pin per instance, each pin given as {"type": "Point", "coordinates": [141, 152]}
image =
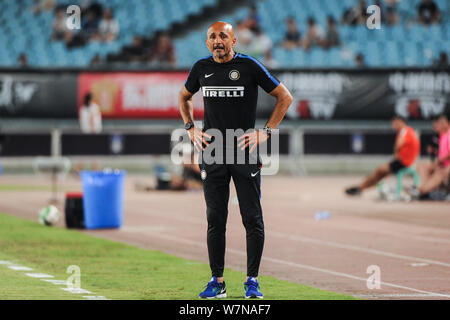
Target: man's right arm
{"type": "Point", "coordinates": [186, 106]}
{"type": "Point", "coordinates": [196, 135]}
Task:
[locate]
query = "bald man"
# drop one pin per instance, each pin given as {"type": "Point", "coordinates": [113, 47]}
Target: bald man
{"type": "Point", "coordinates": [229, 82]}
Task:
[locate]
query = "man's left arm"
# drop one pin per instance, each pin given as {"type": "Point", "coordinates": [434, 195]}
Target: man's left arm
{"type": "Point", "coordinates": [283, 101]}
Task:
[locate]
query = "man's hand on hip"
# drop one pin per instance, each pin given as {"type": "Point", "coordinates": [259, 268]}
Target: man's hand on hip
{"type": "Point", "coordinates": [252, 139]}
{"type": "Point", "coordinates": [198, 138]}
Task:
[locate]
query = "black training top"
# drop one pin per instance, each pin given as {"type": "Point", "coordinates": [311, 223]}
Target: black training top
{"type": "Point", "coordinates": [230, 90]}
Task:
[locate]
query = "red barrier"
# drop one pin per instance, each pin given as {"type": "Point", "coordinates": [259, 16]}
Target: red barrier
{"type": "Point", "coordinates": [136, 95]}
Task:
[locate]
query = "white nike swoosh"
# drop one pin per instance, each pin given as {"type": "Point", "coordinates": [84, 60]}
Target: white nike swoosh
{"type": "Point", "coordinates": [208, 75]}
{"type": "Point", "coordinates": [254, 174]}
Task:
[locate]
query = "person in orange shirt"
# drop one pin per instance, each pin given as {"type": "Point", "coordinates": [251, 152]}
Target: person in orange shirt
{"type": "Point", "coordinates": [406, 150]}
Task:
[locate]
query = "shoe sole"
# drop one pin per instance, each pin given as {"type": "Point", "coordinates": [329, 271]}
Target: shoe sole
{"type": "Point", "coordinates": [253, 296]}
{"type": "Point", "coordinates": [219, 296]}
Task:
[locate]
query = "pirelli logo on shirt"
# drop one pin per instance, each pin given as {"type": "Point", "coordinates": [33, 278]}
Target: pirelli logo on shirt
{"type": "Point", "coordinates": [223, 91]}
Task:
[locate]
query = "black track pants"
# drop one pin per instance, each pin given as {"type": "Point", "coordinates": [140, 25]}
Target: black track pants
{"type": "Point", "coordinates": [247, 179]}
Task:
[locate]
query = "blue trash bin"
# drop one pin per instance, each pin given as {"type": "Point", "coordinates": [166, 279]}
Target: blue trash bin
{"type": "Point", "coordinates": [102, 198]}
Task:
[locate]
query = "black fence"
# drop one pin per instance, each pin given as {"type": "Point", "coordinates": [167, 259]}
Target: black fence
{"type": "Point", "coordinates": [318, 94]}
{"type": "Point", "coordinates": [73, 144]}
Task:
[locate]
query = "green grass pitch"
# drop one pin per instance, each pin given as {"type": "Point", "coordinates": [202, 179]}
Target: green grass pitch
{"type": "Point", "coordinates": [115, 270]}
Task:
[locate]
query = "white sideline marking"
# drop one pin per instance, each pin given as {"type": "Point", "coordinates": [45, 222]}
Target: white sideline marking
{"type": "Point", "coordinates": [419, 264]}
{"type": "Point", "coordinates": [430, 239]}
{"type": "Point", "coordinates": [76, 290]}
{"type": "Point", "coordinates": [338, 245]}
{"type": "Point", "coordinates": [20, 268]}
{"type": "Point", "coordinates": [56, 282]}
{"type": "Point", "coordinates": [356, 248]}
{"type": "Point", "coordinates": [397, 234]}
{"type": "Point", "coordinates": [404, 235]}
{"type": "Point", "coordinates": [39, 275]}
{"type": "Point", "coordinates": [410, 236]}
{"type": "Point", "coordinates": [388, 284]}
{"type": "Point", "coordinates": [95, 297]}
{"type": "Point", "coordinates": [303, 266]}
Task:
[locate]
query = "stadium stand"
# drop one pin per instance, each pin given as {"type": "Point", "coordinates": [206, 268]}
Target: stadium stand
{"type": "Point", "coordinates": [407, 43]}
{"type": "Point", "coordinates": [26, 32]}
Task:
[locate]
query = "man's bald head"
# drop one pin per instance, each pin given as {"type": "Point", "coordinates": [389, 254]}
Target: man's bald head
{"type": "Point", "coordinates": [221, 26]}
{"type": "Point", "coordinates": [220, 41]}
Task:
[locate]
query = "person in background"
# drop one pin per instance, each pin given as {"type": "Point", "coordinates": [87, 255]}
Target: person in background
{"type": "Point", "coordinates": [22, 60]}
{"type": "Point", "coordinates": [59, 27]}
{"type": "Point", "coordinates": [163, 53]}
{"type": "Point", "coordinates": [406, 151]}
{"type": "Point", "coordinates": [43, 5]}
{"type": "Point", "coordinates": [90, 27]}
{"type": "Point", "coordinates": [349, 17]}
{"type": "Point", "coordinates": [359, 61]}
{"type": "Point", "coordinates": [292, 36]}
{"type": "Point", "coordinates": [90, 119]}
{"type": "Point", "coordinates": [332, 35]}
{"type": "Point", "coordinates": [428, 12]}
{"type": "Point", "coordinates": [269, 61]}
{"type": "Point", "coordinates": [361, 10]}
{"type": "Point", "coordinates": [90, 21]}
{"type": "Point", "coordinates": [189, 179]}
{"type": "Point", "coordinates": [135, 51]}
{"type": "Point", "coordinates": [391, 12]}
{"type": "Point", "coordinates": [433, 146]}
{"type": "Point", "coordinates": [314, 35]}
{"type": "Point", "coordinates": [442, 61]}
{"type": "Point", "coordinates": [253, 20]}
{"type": "Point", "coordinates": [355, 15]}
{"type": "Point", "coordinates": [109, 27]}
{"type": "Point", "coordinates": [96, 61]}
{"type": "Point", "coordinates": [434, 174]}
{"type": "Point", "coordinates": [85, 5]}
{"type": "Point", "coordinates": [245, 36]}
{"type": "Point", "coordinates": [260, 44]}
{"type": "Point", "coordinates": [380, 5]}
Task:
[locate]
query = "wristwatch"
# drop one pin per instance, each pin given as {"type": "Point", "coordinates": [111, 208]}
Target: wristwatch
{"type": "Point", "coordinates": [188, 125]}
{"type": "Point", "coordinates": [268, 130]}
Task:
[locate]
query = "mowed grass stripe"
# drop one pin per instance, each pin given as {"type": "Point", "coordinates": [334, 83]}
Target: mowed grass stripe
{"type": "Point", "coordinates": [116, 270]}
{"type": "Point", "coordinates": [27, 188]}
{"type": "Point", "coordinates": [15, 285]}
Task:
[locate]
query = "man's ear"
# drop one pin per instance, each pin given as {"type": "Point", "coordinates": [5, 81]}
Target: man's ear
{"type": "Point", "coordinates": [234, 41]}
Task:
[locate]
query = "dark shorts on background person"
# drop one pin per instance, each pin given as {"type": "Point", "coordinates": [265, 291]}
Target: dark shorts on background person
{"type": "Point", "coordinates": [395, 166]}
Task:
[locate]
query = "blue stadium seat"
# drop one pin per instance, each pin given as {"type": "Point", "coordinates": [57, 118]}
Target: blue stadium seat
{"type": "Point", "coordinates": [392, 54]}
{"type": "Point", "coordinates": [334, 58]}
{"type": "Point", "coordinates": [413, 54]}
{"type": "Point", "coordinates": [317, 57]}
{"type": "Point", "coordinates": [19, 21]}
{"type": "Point", "coordinates": [406, 44]}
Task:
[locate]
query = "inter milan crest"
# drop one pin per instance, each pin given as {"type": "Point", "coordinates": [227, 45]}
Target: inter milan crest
{"type": "Point", "coordinates": [234, 75]}
{"type": "Point", "coordinates": [203, 174]}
